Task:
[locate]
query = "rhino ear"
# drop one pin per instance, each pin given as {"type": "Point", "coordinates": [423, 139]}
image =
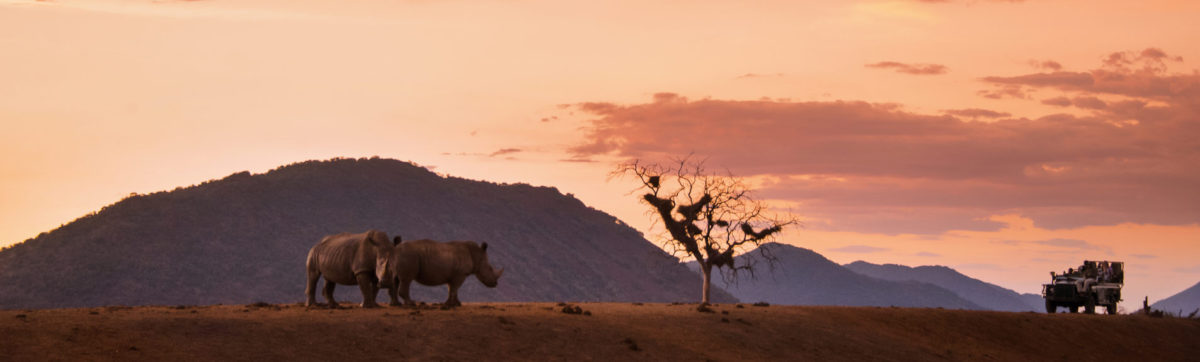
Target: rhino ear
{"type": "Point", "coordinates": [396, 240]}
{"type": "Point", "coordinates": [484, 246]}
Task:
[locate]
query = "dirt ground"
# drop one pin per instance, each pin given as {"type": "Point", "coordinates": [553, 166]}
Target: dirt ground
{"type": "Point", "coordinates": [601, 331]}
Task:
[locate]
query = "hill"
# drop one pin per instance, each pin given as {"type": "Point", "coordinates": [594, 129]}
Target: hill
{"type": "Point", "coordinates": [986, 295]}
{"type": "Point", "coordinates": [612, 332]}
{"type": "Point", "coordinates": [803, 277]}
{"type": "Point", "coordinates": [1184, 302]}
{"type": "Point", "coordinates": [243, 239]}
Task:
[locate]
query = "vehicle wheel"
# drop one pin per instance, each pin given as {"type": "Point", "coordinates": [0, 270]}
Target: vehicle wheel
{"type": "Point", "coordinates": [1111, 308]}
{"type": "Point", "coordinates": [1074, 309]}
{"type": "Point", "coordinates": [1050, 307]}
{"type": "Point", "coordinates": [1089, 306]}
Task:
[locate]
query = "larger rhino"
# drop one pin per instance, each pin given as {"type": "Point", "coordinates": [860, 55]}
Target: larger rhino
{"type": "Point", "coordinates": [435, 263]}
{"type": "Point", "coordinates": [363, 259]}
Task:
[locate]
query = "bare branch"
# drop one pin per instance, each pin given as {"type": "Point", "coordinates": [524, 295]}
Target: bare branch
{"type": "Point", "coordinates": [709, 216]}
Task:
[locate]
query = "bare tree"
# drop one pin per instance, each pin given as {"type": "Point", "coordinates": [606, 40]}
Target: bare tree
{"type": "Point", "coordinates": [706, 215]}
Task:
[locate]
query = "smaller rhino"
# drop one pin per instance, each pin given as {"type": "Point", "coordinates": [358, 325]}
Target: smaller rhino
{"type": "Point", "coordinates": [435, 263]}
{"type": "Point", "coordinates": [363, 259]}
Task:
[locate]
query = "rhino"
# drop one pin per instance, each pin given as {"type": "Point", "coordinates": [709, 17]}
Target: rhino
{"type": "Point", "coordinates": [363, 259]}
{"type": "Point", "coordinates": [435, 263]}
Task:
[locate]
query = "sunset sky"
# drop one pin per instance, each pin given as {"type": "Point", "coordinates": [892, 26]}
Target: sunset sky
{"type": "Point", "coordinates": [1004, 139]}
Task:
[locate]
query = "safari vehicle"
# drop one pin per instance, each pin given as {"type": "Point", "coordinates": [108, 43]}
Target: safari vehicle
{"type": "Point", "coordinates": [1095, 283]}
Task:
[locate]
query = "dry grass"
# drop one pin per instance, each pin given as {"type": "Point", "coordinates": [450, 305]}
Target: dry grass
{"type": "Point", "coordinates": [612, 331]}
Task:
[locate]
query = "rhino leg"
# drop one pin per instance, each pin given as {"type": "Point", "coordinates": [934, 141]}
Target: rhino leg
{"type": "Point", "coordinates": [402, 290]}
{"type": "Point", "coordinates": [328, 293]}
{"type": "Point", "coordinates": [452, 298]}
{"type": "Point", "coordinates": [369, 290]}
{"type": "Point", "coordinates": [392, 292]}
{"type": "Point", "coordinates": [310, 291]}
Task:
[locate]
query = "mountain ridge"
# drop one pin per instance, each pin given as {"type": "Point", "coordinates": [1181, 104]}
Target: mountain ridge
{"type": "Point", "coordinates": [242, 239]}
{"type": "Point", "coordinates": [801, 276]}
{"type": "Point", "coordinates": [986, 295]}
{"type": "Point", "coordinates": [1184, 302]}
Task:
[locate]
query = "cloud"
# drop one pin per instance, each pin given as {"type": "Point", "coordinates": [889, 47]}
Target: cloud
{"type": "Point", "coordinates": [578, 160]}
{"type": "Point", "coordinates": [1075, 245]}
{"type": "Point", "coordinates": [505, 151]}
{"type": "Point", "coordinates": [917, 69]}
{"type": "Point", "coordinates": [976, 113]}
{"type": "Point", "coordinates": [1058, 101]}
{"type": "Point", "coordinates": [1144, 256]}
{"type": "Point", "coordinates": [1004, 91]}
{"type": "Point", "coordinates": [1059, 78]}
{"type": "Point", "coordinates": [1085, 102]}
{"type": "Point", "coordinates": [859, 249]}
{"type": "Point", "coordinates": [1131, 74]}
{"type": "Point", "coordinates": [1149, 59]}
{"type": "Point", "coordinates": [928, 254]}
{"type": "Point", "coordinates": [1089, 102]}
{"type": "Point", "coordinates": [872, 167]}
{"type": "Point", "coordinates": [1046, 64]}
{"type": "Point", "coordinates": [1188, 270]}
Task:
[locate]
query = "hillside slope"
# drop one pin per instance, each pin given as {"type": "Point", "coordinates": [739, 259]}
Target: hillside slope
{"type": "Point", "coordinates": [244, 238]}
{"type": "Point", "coordinates": [612, 332]}
{"type": "Point", "coordinates": [986, 295]}
{"type": "Point", "coordinates": [803, 277]}
{"type": "Point", "coordinates": [1184, 302]}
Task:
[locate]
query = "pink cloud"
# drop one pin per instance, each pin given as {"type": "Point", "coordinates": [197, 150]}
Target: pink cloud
{"type": "Point", "coordinates": [1058, 101]}
{"type": "Point", "coordinates": [976, 113]}
{"type": "Point", "coordinates": [1058, 78]}
{"type": "Point", "coordinates": [881, 168]}
{"type": "Point", "coordinates": [1134, 74]}
{"type": "Point", "coordinates": [1005, 91]}
{"type": "Point", "coordinates": [1089, 102]}
{"type": "Point", "coordinates": [1046, 64]}
{"type": "Point", "coordinates": [916, 69]}
{"type": "Point", "coordinates": [505, 151]}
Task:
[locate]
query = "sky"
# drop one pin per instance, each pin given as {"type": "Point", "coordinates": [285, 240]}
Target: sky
{"type": "Point", "coordinates": [1004, 139]}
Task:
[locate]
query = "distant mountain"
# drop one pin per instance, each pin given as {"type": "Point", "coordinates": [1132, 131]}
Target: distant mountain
{"type": "Point", "coordinates": [986, 295]}
{"type": "Point", "coordinates": [244, 238]}
{"type": "Point", "coordinates": [803, 277]}
{"type": "Point", "coordinates": [1035, 301]}
{"type": "Point", "coordinates": [1184, 302]}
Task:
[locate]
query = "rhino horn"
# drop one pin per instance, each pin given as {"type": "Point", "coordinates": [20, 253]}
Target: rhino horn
{"type": "Point", "coordinates": [499, 273]}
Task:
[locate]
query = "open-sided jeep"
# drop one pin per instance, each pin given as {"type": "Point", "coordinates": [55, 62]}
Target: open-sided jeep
{"type": "Point", "coordinates": [1095, 283]}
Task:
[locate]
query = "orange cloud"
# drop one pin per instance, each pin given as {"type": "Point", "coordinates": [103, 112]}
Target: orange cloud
{"type": "Point", "coordinates": [976, 113]}
{"type": "Point", "coordinates": [1134, 74]}
{"type": "Point", "coordinates": [1005, 91]}
{"type": "Point", "coordinates": [916, 69]}
{"type": "Point", "coordinates": [505, 151]}
{"type": "Point", "coordinates": [1058, 101]}
{"type": "Point", "coordinates": [1046, 64]}
{"type": "Point", "coordinates": [880, 168]}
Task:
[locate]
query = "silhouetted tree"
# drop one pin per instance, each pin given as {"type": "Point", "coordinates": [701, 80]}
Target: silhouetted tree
{"type": "Point", "coordinates": [708, 216]}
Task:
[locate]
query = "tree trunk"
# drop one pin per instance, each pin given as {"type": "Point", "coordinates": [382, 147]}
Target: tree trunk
{"type": "Point", "coordinates": [706, 270]}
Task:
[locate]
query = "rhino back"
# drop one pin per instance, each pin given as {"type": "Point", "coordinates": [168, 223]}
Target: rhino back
{"type": "Point", "coordinates": [435, 262]}
{"type": "Point", "coordinates": [336, 257]}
